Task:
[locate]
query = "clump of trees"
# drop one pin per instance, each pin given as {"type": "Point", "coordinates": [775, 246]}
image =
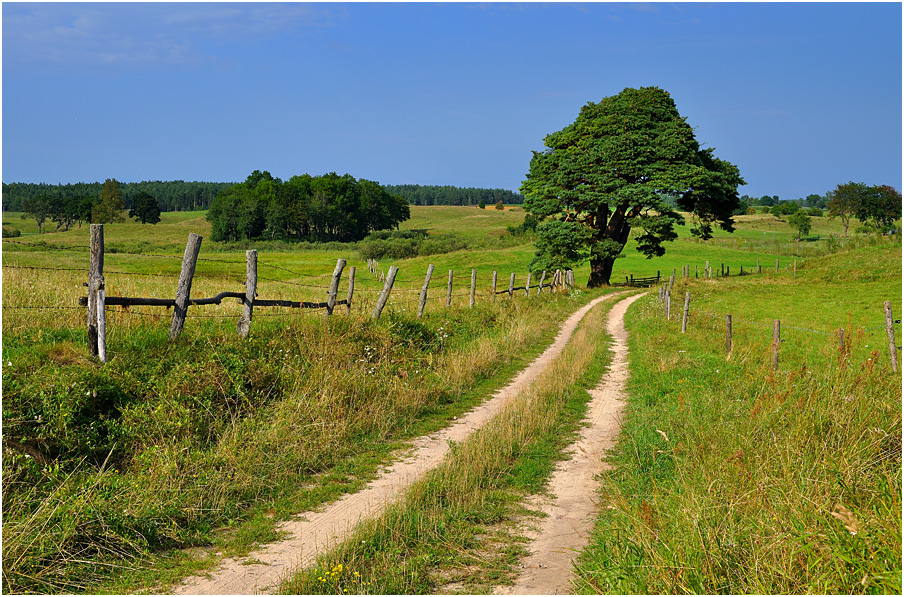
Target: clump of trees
{"type": "Point", "coordinates": [175, 195]}
{"type": "Point", "coordinates": [310, 208]}
{"type": "Point", "coordinates": [629, 161]}
{"type": "Point", "coordinates": [877, 207]}
{"type": "Point", "coordinates": [417, 194]}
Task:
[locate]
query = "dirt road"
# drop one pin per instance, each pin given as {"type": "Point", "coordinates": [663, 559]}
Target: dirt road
{"type": "Point", "coordinates": [314, 532]}
{"type": "Point", "coordinates": [566, 530]}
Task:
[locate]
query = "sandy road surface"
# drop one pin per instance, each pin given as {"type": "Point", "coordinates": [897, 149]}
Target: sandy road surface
{"type": "Point", "coordinates": [311, 533]}
{"type": "Point", "coordinates": [566, 530]}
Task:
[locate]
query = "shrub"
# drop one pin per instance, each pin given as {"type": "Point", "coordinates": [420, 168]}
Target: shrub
{"type": "Point", "coordinates": [751, 211]}
{"type": "Point", "coordinates": [11, 232]}
{"type": "Point", "coordinates": [499, 205]}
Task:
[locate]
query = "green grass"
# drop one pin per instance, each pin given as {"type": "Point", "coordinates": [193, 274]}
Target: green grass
{"type": "Point", "coordinates": [733, 478]}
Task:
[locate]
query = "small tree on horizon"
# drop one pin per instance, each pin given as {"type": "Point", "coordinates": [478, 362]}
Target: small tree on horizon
{"type": "Point", "coordinates": [800, 222]}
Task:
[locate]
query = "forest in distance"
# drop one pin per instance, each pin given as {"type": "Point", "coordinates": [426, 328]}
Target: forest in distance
{"type": "Point", "coordinates": [179, 195]}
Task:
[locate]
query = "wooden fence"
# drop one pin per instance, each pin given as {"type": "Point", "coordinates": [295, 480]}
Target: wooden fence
{"type": "Point", "coordinates": [97, 301]}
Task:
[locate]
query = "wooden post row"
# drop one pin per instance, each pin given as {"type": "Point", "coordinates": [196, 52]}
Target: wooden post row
{"type": "Point", "coordinates": [449, 291]}
{"type": "Point", "coordinates": [244, 325]}
{"type": "Point", "coordinates": [95, 279]}
{"type": "Point", "coordinates": [351, 290]}
{"type": "Point", "coordinates": [334, 287]}
{"type": "Point", "coordinates": [890, 331]}
{"type": "Point", "coordinates": [422, 301]}
{"type": "Point", "coordinates": [183, 292]}
{"type": "Point", "coordinates": [687, 305]}
{"type": "Point", "coordinates": [384, 295]}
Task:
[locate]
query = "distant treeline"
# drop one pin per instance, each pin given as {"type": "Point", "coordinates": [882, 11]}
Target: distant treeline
{"type": "Point", "coordinates": [176, 195]}
{"type": "Point", "coordinates": [417, 194]}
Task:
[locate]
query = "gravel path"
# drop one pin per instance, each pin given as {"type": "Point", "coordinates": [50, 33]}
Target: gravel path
{"type": "Point", "coordinates": [566, 530]}
{"type": "Point", "coordinates": [312, 533]}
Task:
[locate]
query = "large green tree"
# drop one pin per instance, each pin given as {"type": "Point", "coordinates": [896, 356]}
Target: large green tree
{"type": "Point", "coordinates": [111, 205]}
{"type": "Point", "coordinates": [879, 208]}
{"type": "Point", "coordinates": [629, 161]}
{"type": "Point", "coordinates": [145, 208]}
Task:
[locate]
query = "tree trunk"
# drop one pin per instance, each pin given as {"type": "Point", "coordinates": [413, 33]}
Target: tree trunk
{"type": "Point", "coordinates": [600, 272]}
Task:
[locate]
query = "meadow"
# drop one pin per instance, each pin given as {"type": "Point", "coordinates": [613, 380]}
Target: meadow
{"type": "Point", "coordinates": [112, 473]}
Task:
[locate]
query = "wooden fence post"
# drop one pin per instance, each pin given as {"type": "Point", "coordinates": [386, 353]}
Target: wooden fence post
{"type": "Point", "coordinates": [512, 285]}
{"type": "Point", "coordinates": [795, 269]}
{"type": "Point", "coordinates": [527, 286]}
{"type": "Point", "coordinates": [351, 289]}
{"type": "Point", "coordinates": [890, 330]}
{"type": "Point", "coordinates": [687, 307]}
{"type": "Point", "coordinates": [334, 287]}
{"type": "Point", "coordinates": [387, 288]}
{"type": "Point", "coordinates": [183, 292]}
{"type": "Point", "coordinates": [776, 266]}
{"type": "Point", "coordinates": [696, 273]}
{"type": "Point", "coordinates": [671, 282]}
{"type": "Point", "coordinates": [494, 285]}
{"type": "Point", "coordinates": [422, 301]}
{"type": "Point", "coordinates": [668, 304]}
{"type": "Point", "coordinates": [473, 287]}
{"type": "Point", "coordinates": [449, 291]}
{"type": "Point", "coordinates": [244, 325]}
{"type": "Point", "coordinates": [776, 343]}
{"type": "Point", "coordinates": [728, 345]}
{"type": "Point", "coordinates": [759, 270]}
{"type": "Point", "coordinates": [101, 322]}
{"type": "Point", "coordinates": [542, 279]}
{"type": "Point", "coordinates": [95, 278]}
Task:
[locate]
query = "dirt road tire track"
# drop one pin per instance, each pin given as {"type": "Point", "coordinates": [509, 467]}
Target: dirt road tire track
{"type": "Point", "coordinates": [312, 533]}
{"type": "Point", "coordinates": [565, 531]}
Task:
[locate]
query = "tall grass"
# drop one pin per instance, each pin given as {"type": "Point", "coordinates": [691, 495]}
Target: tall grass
{"type": "Point", "coordinates": [733, 478]}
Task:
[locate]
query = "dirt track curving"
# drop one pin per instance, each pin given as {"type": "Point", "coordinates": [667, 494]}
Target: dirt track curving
{"type": "Point", "coordinates": [314, 532]}
{"type": "Point", "coordinates": [566, 529]}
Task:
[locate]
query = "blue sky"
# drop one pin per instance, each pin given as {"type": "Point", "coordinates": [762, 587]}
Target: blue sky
{"type": "Point", "coordinates": [802, 97]}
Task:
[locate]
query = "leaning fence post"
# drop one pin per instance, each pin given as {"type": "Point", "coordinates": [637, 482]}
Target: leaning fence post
{"type": "Point", "coordinates": [449, 291]}
{"type": "Point", "coordinates": [776, 343]}
{"type": "Point", "coordinates": [422, 301]}
{"type": "Point", "coordinates": [183, 292]}
{"type": "Point", "coordinates": [473, 287]}
{"type": "Point", "coordinates": [687, 306]}
{"type": "Point", "coordinates": [542, 279]}
{"type": "Point", "coordinates": [334, 287]}
{"type": "Point", "coordinates": [728, 345]}
{"type": "Point", "coordinates": [250, 292]}
{"type": "Point", "coordinates": [95, 277]}
{"type": "Point", "coordinates": [351, 289]}
{"type": "Point", "coordinates": [890, 330]}
{"type": "Point", "coordinates": [387, 288]}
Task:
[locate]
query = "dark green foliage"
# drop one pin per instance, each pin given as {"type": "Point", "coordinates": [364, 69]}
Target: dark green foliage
{"type": "Point", "coordinates": [145, 208]}
{"type": "Point", "coordinates": [322, 208]}
{"type": "Point", "coordinates": [404, 244]}
{"type": "Point", "coordinates": [11, 232]}
{"type": "Point", "coordinates": [39, 209]}
{"type": "Point", "coordinates": [800, 222]}
{"type": "Point", "coordinates": [628, 161]}
{"type": "Point", "coordinates": [417, 194]}
{"type": "Point", "coordinates": [111, 205]}
{"type": "Point", "coordinates": [174, 195]}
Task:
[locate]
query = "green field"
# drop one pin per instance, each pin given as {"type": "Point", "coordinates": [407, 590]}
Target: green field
{"type": "Point", "coordinates": [111, 472]}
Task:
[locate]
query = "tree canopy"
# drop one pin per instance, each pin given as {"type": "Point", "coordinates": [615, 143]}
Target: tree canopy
{"type": "Point", "coordinates": [318, 208]}
{"type": "Point", "coordinates": [878, 207]}
{"type": "Point", "coordinates": [145, 208]}
{"type": "Point", "coordinates": [627, 162]}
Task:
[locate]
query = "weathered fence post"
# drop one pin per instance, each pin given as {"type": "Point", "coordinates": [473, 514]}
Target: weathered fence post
{"type": "Point", "coordinates": [244, 325]}
{"type": "Point", "coordinates": [687, 306]}
{"type": "Point", "coordinates": [183, 292]}
{"type": "Point", "coordinates": [334, 287]}
{"type": "Point", "coordinates": [671, 282]}
{"type": "Point", "coordinates": [776, 266]}
{"type": "Point", "coordinates": [387, 288]}
{"type": "Point", "coordinates": [512, 285]}
{"type": "Point", "coordinates": [449, 291]}
{"type": "Point", "coordinates": [890, 330]}
{"type": "Point", "coordinates": [422, 301]}
{"type": "Point", "coordinates": [542, 279]}
{"type": "Point", "coordinates": [351, 289]}
{"type": "Point", "coordinates": [668, 304]}
{"type": "Point", "coordinates": [759, 269]}
{"type": "Point", "coordinates": [473, 287]}
{"type": "Point", "coordinates": [101, 322]}
{"type": "Point", "coordinates": [706, 273]}
{"type": "Point", "coordinates": [494, 285]}
{"type": "Point", "coordinates": [776, 343]}
{"type": "Point", "coordinates": [728, 335]}
{"type": "Point", "coordinates": [95, 278]}
{"type": "Point", "coordinates": [527, 286]}
{"type": "Point", "coordinates": [795, 269]}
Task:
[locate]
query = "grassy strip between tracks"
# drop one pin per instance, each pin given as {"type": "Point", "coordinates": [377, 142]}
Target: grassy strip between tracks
{"type": "Point", "coordinates": [456, 529]}
{"type": "Point", "coordinates": [733, 478]}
